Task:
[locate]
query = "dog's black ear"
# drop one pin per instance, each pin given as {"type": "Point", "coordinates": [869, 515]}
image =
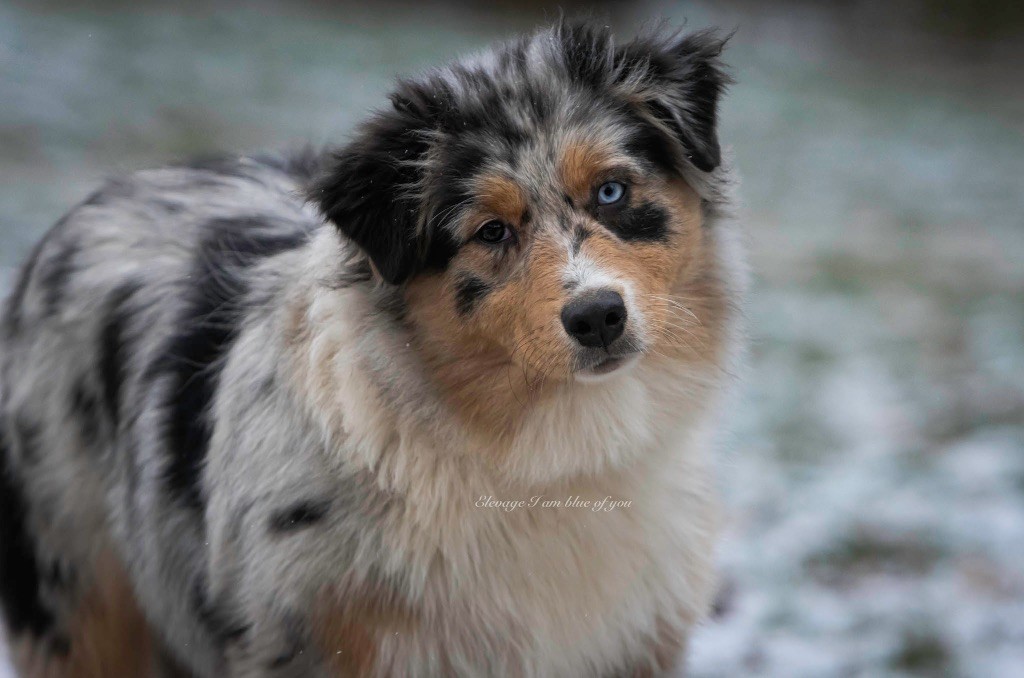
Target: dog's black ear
{"type": "Point", "coordinates": [677, 80]}
{"type": "Point", "coordinates": [370, 188]}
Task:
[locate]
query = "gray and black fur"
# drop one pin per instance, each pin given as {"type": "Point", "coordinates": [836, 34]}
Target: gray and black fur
{"type": "Point", "coordinates": [114, 340]}
{"type": "Point", "coordinates": [150, 329]}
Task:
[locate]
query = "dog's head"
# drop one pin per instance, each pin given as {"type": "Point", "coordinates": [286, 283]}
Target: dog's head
{"type": "Point", "coordinates": [531, 202]}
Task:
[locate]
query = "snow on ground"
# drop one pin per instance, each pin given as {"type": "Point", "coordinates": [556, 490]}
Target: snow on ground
{"type": "Point", "coordinates": [875, 474]}
{"type": "Point", "coordinates": [876, 481]}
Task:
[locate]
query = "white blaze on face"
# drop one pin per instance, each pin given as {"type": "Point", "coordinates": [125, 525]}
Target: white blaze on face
{"type": "Point", "coordinates": [585, 275]}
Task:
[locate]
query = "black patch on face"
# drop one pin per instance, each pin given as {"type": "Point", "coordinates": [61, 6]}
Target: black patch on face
{"type": "Point", "coordinates": [24, 610]}
{"type": "Point", "coordinates": [193, 357]}
{"type": "Point", "coordinates": [442, 248]}
{"type": "Point", "coordinates": [460, 161]}
{"type": "Point", "coordinates": [578, 236]}
{"type": "Point", "coordinates": [468, 292]}
{"type": "Point", "coordinates": [299, 516]}
{"type": "Point", "coordinates": [646, 222]}
{"type": "Point", "coordinates": [114, 349]}
{"type": "Point", "coordinates": [85, 408]}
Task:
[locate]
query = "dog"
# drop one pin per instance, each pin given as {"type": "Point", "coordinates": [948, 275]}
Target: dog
{"type": "Point", "coordinates": [440, 401]}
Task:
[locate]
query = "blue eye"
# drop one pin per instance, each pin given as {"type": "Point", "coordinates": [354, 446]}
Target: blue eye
{"type": "Point", "coordinates": [610, 193]}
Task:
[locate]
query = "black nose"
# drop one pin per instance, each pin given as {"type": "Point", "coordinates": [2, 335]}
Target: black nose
{"type": "Point", "coordinates": [595, 319]}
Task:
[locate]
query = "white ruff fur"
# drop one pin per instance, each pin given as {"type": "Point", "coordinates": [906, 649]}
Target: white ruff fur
{"type": "Point", "coordinates": [575, 589]}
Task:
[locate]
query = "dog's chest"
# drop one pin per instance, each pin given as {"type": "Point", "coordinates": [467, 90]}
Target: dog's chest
{"type": "Point", "coordinates": [573, 580]}
{"type": "Point", "coordinates": [582, 579]}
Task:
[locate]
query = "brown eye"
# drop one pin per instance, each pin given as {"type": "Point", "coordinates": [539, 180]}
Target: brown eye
{"type": "Point", "coordinates": [494, 232]}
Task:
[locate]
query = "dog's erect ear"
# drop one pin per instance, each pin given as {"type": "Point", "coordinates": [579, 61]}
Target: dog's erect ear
{"type": "Point", "coordinates": [677, 81]}
{"type": "Point", "coordinates": [370, 189]}
{"type": "Point", "coordinates": [682, 94]}
{"type": "Point", "coordinates": [673, 81]}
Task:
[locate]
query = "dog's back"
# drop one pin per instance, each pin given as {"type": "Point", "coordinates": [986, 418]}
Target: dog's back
{"type": "Point", "coordinates": [124, 310]}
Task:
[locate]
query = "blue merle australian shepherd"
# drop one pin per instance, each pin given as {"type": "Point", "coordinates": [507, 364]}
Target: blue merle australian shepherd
{"type": "Point", "coordinates": [322, 414]}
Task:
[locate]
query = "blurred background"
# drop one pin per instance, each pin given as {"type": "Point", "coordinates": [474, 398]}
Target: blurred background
{"type": "Point", "coordinates": [875, 473]}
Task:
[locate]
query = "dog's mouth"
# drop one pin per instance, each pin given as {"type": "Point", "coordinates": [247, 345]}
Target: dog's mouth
{"type": "Point", "coordinates": [606, 366]}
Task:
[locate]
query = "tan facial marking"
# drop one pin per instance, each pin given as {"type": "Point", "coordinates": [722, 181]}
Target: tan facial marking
{"type": "Point", "coordinates": [498, 197]}
{"type": "Point", "coordinates": [692, 320]}
{"type": "Point", "coordinates": [580, 162]}
{"type": "Point", "coordinates": [650, 266]}
{"type": "Point", "coordinates": [472, 359]}
{"type": "Point", "coordinates": [672, 281]}
{"type": "Point", "coordinates": [501, 359]}
{"type": "Point", "coordinates": [525, 311]}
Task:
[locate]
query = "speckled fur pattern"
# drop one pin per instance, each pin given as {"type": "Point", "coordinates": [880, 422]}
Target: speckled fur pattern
{"type": "Point", "coordinates": [249, 407]}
